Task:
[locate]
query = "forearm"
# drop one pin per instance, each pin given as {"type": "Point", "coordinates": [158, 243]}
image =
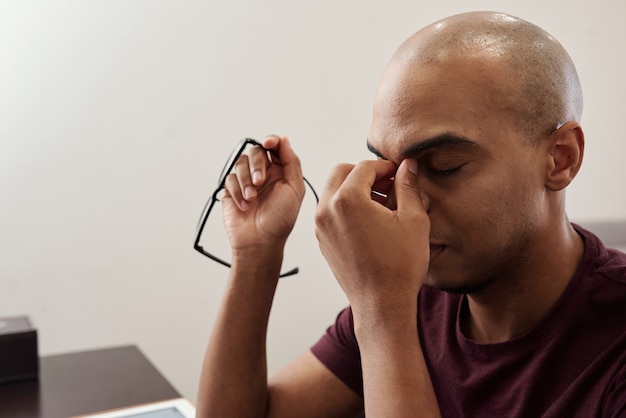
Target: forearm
{"type": "Point", "coordinates": [395, 377]}
{"type": "Point", "coordinates": [234, 374]}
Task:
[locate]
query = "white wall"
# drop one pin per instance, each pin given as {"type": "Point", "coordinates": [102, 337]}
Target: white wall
{"type": "Point", "coordinates": [116, 116]}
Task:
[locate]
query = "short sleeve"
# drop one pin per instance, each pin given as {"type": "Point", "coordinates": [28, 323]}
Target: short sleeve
{"type": "Point", "coordinates": [338, 350]}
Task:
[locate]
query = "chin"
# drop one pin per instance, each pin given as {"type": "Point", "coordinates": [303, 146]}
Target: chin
{"type": "Point", "coordinates": [458, 287]}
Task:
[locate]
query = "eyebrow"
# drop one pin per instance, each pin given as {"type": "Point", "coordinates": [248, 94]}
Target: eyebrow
{"type": "Point", "coordinates": [445, 140]}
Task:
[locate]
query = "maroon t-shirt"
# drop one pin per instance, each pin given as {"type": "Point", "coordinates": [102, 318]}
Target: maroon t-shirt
{"type": "Point", "coordinates": [573, 364]}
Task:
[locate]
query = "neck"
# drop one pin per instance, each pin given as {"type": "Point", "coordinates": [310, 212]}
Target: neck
{"type": "Point", "coordinates": [511, 307]}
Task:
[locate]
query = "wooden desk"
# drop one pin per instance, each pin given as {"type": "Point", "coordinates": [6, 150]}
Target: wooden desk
{"type": "Point", "coordinates": [85, 382]}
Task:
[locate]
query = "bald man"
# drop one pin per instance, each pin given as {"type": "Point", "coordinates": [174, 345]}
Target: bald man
{"type": "Point", "coordinates": [471, 293]}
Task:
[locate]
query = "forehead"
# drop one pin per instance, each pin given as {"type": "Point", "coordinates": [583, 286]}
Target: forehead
{"type": "Point", "coordinates": [460, 99]}
{"type": "Point", "coordinates": [448, 142]}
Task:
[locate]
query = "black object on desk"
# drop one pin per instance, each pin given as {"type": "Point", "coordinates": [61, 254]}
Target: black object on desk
{"type": "Point", "coordinates": [85, 382]}
{"type": "Point", "coordinates": [18, 349]}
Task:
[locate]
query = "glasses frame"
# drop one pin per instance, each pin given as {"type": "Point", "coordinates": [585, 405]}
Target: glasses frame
{"type": "Point", "coordinates": [228, 167]}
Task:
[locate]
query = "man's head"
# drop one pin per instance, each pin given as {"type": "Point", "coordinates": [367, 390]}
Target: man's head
{"type": "Point", "coordinates": [540, 85]}
{"type": "Point", "coordinates": [489, 106]}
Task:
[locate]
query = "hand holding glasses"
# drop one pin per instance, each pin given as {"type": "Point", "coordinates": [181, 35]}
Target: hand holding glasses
{"type": "Point", "coordinates": [214, 200]}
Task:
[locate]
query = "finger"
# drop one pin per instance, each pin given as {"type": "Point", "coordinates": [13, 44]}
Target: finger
{"type": "Point", "coordinates": [336, 178]}
{"type": "Point", "coordinates": [271, 141]}
{"type": "Point", "coordinates": [287, 158]}
{"type": "Point", "coordinates": [382, 192]}
{"type": "Point", "coordinates": [383, 186]}
{"type": "Point", "coordinates": [325, 216]}
{"type": "Point", "coordinates": [258, 162]}
{"type": "Point", "coordinates": [366, 174]}
{"type": "Point", "coordinates": [242, 170]}
{"type": "Point", "coordinates": [406, 189]}
{"type": "Point", "coordinates": [233, 190]}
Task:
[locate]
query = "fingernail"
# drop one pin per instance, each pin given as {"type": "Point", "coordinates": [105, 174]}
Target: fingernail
{"type": "Point", "coordinates": [256, 177]}
{"type": "Point", "coordinates": [249, 192]}
{"type": "Point", "coordinates": [412, 165]}
{"type": "Point", "coordinates": [244, 205]}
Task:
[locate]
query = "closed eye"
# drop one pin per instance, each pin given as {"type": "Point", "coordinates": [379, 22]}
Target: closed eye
{"type": "Point", "coordinates": [446, 172]}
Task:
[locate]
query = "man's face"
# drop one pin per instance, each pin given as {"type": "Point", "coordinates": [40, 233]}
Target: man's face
{"type": "Point", "coordinates": [481, 180]}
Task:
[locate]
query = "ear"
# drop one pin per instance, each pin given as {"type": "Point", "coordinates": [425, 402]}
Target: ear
{"type": "Point", "coordinates": [567, 146]}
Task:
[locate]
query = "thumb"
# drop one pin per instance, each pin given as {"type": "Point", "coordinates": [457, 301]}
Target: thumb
{"type": "Point", "coordinates": [406, 189]}
{"type": "Point", "coordinates": [289, 161]}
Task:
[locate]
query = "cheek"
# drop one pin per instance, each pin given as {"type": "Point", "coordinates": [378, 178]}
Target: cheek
{"type": "Point", "coordinates": [485, 207]}
{"type": "Point", "coordinates": [497, 234]}
{"type": "Point", "coordinates": [498, 193]}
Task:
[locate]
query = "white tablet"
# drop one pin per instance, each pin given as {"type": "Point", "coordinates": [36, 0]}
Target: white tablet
{"type": "Point", "coordinates": [173, 408]}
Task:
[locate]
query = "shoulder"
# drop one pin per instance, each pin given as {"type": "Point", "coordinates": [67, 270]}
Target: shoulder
{"type": "Point", "coordinates": [602, 262]}
{"type": "Point", "coordinates": [613, 267]}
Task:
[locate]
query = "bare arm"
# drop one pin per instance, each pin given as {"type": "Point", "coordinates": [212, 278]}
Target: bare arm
{"type": "Point", "coordinates": [260, 207]}
{"type": "Point", "coordinates": [395, 376]}
{"type": "Point", "coordinates": [233, 382]}
{"type": "Point", "coordinates": [379, 255]}
{"type": "Point", "coordinates": [234, 377]}
{"type": "Point", "coordinates": [307, 389]}
{"type": "Point", "coordinates": [234, 374]}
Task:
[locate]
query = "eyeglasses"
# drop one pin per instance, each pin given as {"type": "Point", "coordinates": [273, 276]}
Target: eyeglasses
{"type": "Point", "coordinates": [228, 167]}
